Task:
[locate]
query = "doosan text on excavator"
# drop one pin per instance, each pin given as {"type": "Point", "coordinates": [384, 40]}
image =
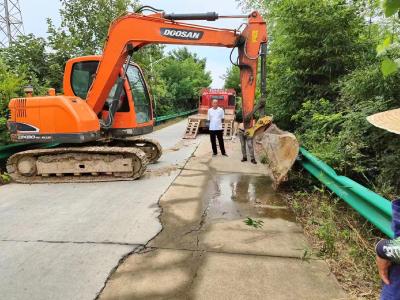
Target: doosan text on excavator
{"type": "Point", "coordinates": [107, 108]}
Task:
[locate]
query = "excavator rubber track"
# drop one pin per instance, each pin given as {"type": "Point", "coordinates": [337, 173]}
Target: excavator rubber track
{"type": "Point", "coordinates": [151, 148]}
{"type": "Point", "coordinates": [77, 164]}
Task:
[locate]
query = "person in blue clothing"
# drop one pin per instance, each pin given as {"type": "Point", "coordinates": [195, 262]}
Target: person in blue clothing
{"type": "Point", "coordinates": [388, 251]}
{"type": "Point", "coordinates": [388, 259]}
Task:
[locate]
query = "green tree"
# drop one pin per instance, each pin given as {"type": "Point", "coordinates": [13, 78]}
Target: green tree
{"type": "Point", "coordinates": [390, 60]}
{"type": "Point", "coordinates": [10, 86]}
{"type": "Point", "coordinates": [310, 52]}
{"type": "Point", "coordinates": [324, 79]}
{"type": "Point", "coordinates": [184, 75]}
{"type": "Point", "coordinates": [232, 79]}
{"type": "Point", "coordinates": [367, 154]}
{"type": "Point", "coordinates": [183, 54]}
{"type": "Point", "coordinates": [83, 31]}
{"type": "Point", "coordinates": [85, 23]}
{"type": "Point", "coordinates": [28, 54]}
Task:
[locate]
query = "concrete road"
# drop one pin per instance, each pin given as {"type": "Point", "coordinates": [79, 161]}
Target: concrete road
{"type": "Point", "coordinates": [206, 251]}
{"type": "Point", "coordinates": [61, 241]}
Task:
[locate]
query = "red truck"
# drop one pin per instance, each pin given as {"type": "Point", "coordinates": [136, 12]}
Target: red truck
{"type": "Point", "coordinates": [226, 100]}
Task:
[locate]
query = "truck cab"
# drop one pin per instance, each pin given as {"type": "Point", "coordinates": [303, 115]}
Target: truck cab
{"type": "Point", "coordinates": [199, 123]}
{"type": "Point", "coordinates": [226, 100]}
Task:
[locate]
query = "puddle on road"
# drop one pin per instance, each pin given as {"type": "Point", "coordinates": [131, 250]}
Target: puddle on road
{"type": "Point", "coordinates": [236, 196]}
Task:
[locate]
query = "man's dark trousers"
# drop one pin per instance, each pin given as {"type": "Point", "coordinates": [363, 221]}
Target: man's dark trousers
{"type": "Point", "coordinates": [214, 134]}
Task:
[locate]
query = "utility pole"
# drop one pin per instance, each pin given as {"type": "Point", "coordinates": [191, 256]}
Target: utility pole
{"type": "Point", "coordinates": [11, 25]}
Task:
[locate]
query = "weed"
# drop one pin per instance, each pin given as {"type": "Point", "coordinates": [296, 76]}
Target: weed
{"type": "Point", "coordinates": [4, 178]}
{"type": "Point", "coordinates": [264, 159]}
{"type": "Point", "coordinates": [296, 205]}
{"type": "Point", "coordinates": [327, 233]}
{"type": "Point", "coordinates": [254, 223]}
{"type": "Point", "coordinates": [338, 234]}
{"type": "Point", "coordinates": [307, 252]}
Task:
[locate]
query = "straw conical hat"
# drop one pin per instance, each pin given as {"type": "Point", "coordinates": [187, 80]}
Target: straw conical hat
{"type": "Point", "coordinates": [389, 120]}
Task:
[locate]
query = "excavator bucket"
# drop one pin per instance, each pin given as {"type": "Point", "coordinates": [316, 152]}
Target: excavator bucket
{"type": "Point", "coordinates": [277, 149]}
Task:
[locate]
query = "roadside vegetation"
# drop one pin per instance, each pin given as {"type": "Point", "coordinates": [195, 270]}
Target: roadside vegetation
{"type": "Point", "coordinates": [325, 78]}
{"type": "Point", "coordinates": [332, 63]}
{"type": "Point", "coordinates": [175, 78]}
{"type": "Point", "coordinates": [337, 234]}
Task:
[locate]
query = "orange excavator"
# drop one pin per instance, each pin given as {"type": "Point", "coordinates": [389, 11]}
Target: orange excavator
{"type": "Point", "coordinates": [107, 104]}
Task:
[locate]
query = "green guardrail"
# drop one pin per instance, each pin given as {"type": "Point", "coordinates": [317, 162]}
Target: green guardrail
{"type": "Point", "coordinates": [174, 116]}
{"type": "Point", "coordinates": [8, 150]}
{"type": "Point", "coordinates": [370, 205]}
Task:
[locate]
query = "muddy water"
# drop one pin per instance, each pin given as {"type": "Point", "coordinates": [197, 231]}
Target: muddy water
{"type": "Point", "coordinates": [235, 196]}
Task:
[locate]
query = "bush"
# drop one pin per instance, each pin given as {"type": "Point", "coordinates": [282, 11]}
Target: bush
{"type": "Point", "coordinates": [324, 79]}
{"type": "Point", "coordinates": [338, 132]}
{"type": "Point", "coordinates": [10, 86]}
{"type": "Point", "coordinates": [309, 53]}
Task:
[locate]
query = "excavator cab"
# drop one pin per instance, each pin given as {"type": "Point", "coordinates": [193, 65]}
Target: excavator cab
{"type": "Point", "coordinates": [134, 115]}
{"type": "Point", "coordinates": [91, 149]}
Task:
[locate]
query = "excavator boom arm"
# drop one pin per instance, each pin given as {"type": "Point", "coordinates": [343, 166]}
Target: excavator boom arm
{"type": "Point", "coordinates": [133, 31]}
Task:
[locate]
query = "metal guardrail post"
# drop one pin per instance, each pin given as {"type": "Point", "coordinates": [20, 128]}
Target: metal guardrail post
{"type": "Point", "coordinates": [370, 205]}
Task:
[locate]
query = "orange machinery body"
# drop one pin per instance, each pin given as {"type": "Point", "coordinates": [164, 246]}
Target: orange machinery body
{"type": "Point", "coordinates": [78, 117]}
{"type": "Point", "coordinates": [68, 118]}
{"type": "Point", "coordinates": [52, 118]}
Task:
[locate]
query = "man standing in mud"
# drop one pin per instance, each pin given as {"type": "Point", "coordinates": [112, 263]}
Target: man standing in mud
{"type": "Point", "coordinates": [216, 116]}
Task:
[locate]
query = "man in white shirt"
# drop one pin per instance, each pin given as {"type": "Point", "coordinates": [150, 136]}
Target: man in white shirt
{"type": "Point", "coordinates": [216, 116]}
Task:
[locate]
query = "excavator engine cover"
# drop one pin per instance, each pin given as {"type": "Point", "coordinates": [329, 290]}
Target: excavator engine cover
{"type": "Point", "coordinates": [52, 118]}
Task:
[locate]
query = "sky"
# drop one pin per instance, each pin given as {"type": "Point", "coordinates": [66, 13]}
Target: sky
{"type": "Point", "coordinates": [35, 13]}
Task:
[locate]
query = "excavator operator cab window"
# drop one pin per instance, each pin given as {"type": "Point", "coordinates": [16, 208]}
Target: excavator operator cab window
{"type": "Point", "coordinates": [82, 76]}
{"type": "Point", "coordinates": [140, 94]}
{"type": "Point", "coordinates": [123, 105]}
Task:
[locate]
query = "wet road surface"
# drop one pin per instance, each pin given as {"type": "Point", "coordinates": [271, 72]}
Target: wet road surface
{"type": "Point", "coordinates": [206, 251]}
{"type": "Point", "coordinates": [234, 196]}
